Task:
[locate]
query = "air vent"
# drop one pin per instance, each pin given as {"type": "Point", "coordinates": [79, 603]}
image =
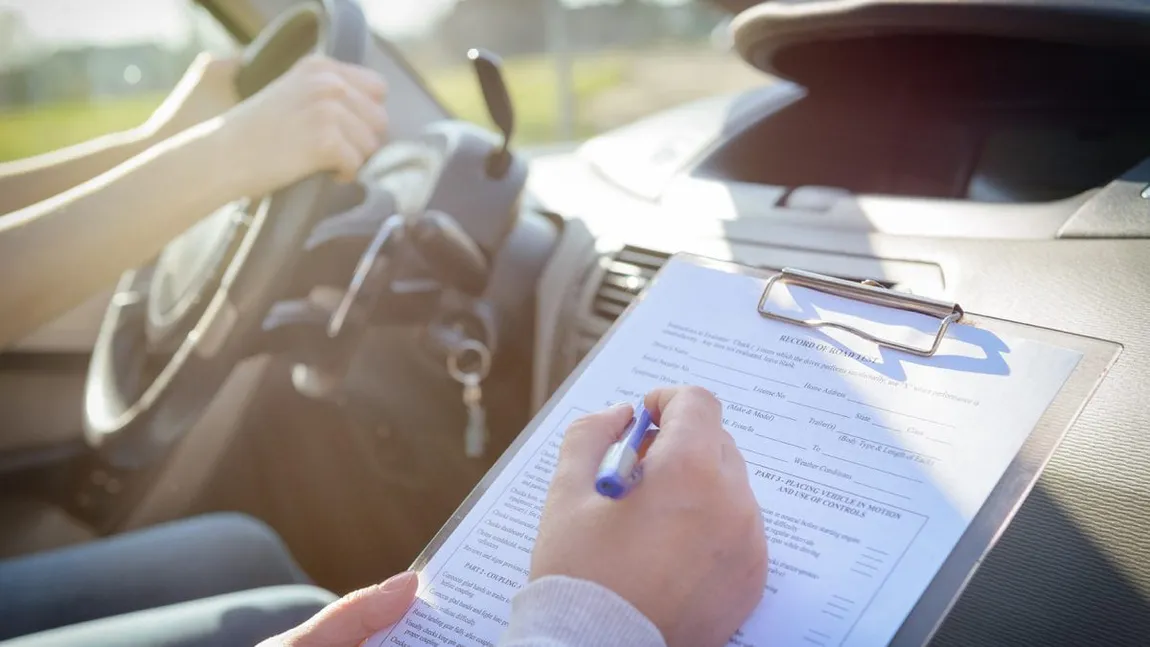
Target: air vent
{"type": "Point", "coordinates": [625, 275]}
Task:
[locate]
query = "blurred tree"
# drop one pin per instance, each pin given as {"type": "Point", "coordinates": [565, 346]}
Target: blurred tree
{"type": "Point", "coordinates": [14, 40]}
{"type": "Point", "coordinates": [15, 49]}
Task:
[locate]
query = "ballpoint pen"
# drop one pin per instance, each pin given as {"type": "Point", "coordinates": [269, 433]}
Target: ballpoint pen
{"type": "Point", "coordinates": [620, 469]}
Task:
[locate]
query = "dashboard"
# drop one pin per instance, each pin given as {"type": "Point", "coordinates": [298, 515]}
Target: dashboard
{"type": "Point", "coordinates": [1063, 247]}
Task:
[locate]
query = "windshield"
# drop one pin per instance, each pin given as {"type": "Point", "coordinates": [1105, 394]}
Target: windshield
{"type": "Point", "coordinates": [71, 71]}
{"type": "Point", "coordinates": [575, 67]}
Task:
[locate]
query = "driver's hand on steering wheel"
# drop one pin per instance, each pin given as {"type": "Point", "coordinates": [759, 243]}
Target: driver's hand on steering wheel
{"type": "Point", "coordinates": [321, 115]}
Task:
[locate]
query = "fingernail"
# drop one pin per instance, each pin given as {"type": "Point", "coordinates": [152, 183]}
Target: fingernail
{"type": "Point", "coordinates": [396, 582]}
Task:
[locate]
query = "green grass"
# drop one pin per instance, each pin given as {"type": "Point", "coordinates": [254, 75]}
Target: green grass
{"type": "Point", "coordinates": [28, 132]}
{"type": "Point", "coordinates": [532, 82]}
{"type": "Point", "coordinates": [533, 87]}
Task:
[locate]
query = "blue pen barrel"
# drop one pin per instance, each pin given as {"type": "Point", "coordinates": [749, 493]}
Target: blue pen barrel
{"type": "Point", "coordinates": [637, 433]}
{"type": "Point", "coordinates": [619, 471]}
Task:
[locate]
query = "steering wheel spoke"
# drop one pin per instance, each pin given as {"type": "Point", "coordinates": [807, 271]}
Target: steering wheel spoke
{"type": "Point", "coordinates": [128, 299]}
{"type": "Point", "coordinates": [357, 224]}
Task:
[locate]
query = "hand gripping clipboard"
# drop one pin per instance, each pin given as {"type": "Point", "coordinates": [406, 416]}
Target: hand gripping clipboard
{"type": "Point", "coordinates": [1007, 496]}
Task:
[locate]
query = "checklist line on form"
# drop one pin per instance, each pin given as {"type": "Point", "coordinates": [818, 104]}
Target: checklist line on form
{"type": "Point", "coordinates": [757, 377]}
{"type": "Point", "coordinates": [810, 406]}
{"type": "Point", "coordinates": [763, 411]}
{"type": "Point", "coordinates": [781, 442]}
{"type": "Point", "coordinates": [751, 451]}
{"type": "Point", "coordinates": [711, 379]}
{"type": "Point", "coordinates": [899, 413]}
{"type": "Point", "coordinates": [898, 447]}
{"type": "Point", "coordinates": [872, 467]}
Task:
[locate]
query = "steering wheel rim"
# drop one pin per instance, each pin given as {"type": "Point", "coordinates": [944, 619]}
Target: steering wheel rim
{"type": "Point", "coordinates": [130, 425]}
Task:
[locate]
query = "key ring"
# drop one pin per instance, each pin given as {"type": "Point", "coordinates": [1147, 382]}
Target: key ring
{"type": "Point", "coordinates": [482, 354]}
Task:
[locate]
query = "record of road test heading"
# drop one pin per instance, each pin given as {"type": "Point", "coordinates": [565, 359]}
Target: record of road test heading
{"type": "Point", "coordinates": [889, 439]}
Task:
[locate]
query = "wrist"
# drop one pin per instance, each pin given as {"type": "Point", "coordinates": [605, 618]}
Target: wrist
{"type": "Point", "coordinates": [240, 157]}
{"type": "Point", "coordinates": [224, 173]}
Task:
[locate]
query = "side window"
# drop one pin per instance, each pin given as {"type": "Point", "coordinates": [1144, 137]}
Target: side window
{"type": "Point", "coordinates": [70, 71]}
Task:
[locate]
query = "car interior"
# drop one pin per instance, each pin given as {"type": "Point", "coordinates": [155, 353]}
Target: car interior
{"type": "Point", "coordinates": [302, 356]}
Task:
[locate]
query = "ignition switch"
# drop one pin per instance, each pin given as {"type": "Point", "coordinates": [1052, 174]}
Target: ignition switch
{"type": "Point", "coordinates": [462, 319]}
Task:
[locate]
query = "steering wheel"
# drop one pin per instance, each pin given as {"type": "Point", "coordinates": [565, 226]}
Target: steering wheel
{"type": "Point", "coordinates": [175, 329]}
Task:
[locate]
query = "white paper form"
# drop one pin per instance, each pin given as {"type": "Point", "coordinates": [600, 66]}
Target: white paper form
{"type": "Point", "coordinates": [868, 464]}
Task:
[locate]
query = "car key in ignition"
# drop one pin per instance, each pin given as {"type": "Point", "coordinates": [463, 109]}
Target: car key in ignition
{"type": "Point", "coordinates": [475, 433]}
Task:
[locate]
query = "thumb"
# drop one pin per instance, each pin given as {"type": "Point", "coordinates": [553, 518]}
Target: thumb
{"type": "Point", "coordinates": [587, 439]}
{"type": "Point", "coordinates": [355, 617]}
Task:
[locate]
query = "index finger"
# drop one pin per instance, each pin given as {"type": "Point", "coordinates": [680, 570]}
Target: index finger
{"type": "Point", "coordinates": [692, 445]}
{"type": "Point", "coordinates": [685, 412]}
{"type": "Point", "coordinates": [366, 79]}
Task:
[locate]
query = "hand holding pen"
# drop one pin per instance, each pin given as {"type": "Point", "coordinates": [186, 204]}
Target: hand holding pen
{"type": "Point", "coordinates": [691, 527]}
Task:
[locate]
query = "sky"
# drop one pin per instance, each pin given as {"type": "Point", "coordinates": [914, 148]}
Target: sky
{"type": "Point", "coordinates": [96, 21]}
{"type": "Point", "coordinates": [53, 23]}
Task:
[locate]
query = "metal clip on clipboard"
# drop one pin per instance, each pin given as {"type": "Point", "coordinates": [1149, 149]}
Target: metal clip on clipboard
{"type": "Point", "coordinates": [867, 292]}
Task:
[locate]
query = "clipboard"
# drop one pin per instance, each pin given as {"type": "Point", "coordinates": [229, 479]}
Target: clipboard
{"type": "Point", "coordinates": [988, 524]}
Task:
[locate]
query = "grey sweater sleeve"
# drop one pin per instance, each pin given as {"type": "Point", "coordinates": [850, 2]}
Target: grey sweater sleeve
{"type": "Point", "coordinates": [558, 611]}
